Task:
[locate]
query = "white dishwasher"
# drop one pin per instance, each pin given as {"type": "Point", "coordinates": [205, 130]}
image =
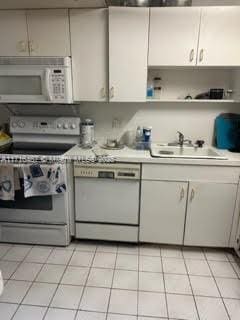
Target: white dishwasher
{"type": "Point", "coordinates": [107, 201]}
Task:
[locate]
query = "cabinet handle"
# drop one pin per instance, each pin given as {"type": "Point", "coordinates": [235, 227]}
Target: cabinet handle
{"type": "Point", "coordinates": [112, 92]}
{"type": "Point", "coordinates": [182, 194]}
{"type": "Point", "coordinates": [103, 93]}
{"type": "Point", "coordinates": [32, 46]}
{"type": "Point", "coordinates": [192, 195]}
{"type": "Point", "coordinates": [191, 56]}
{"type": "Point", "coordinates": [201, 55]}
{"type": "Point", "coordinates": [22, 46]}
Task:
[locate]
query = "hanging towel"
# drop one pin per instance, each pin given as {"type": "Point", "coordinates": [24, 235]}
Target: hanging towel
{"type": "Point", "coordinates": [17, 176]}
{"type": "Point", "coordinates": [43, 179]}
{"type": "Point", "coordinates": [7, 190]}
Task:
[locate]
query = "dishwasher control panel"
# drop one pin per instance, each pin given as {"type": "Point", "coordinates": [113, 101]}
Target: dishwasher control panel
{"type": "Point", "coordinates": [107, 171]}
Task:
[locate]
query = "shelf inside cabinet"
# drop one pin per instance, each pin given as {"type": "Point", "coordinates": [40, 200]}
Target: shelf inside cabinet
{"type": "Point", "coordinates": [173, 85]}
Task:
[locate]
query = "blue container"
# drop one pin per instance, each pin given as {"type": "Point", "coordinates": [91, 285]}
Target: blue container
{"type": "Point", "coordinates": [227, 131]}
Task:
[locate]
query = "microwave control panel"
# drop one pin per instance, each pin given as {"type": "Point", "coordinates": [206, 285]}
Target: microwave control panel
{"type": "Point", "coordinates": [58, 83]}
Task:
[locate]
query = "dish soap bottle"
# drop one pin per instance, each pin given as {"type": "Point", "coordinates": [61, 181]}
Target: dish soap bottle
{"type": "Point", "coordinates": [139, 138]}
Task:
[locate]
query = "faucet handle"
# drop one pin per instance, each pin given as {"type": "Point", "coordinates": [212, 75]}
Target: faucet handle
{"type": "Point", "coordinates": [200, 143]}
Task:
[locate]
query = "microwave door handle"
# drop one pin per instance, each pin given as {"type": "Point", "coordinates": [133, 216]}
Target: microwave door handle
{"type": "Point", "coordinates": [47, 84]}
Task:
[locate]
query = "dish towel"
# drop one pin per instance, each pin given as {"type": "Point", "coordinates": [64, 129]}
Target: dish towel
{"type": "Point", "coordinates": [7, 190]}
{"type": "Point", "coordinates": [43, 179]}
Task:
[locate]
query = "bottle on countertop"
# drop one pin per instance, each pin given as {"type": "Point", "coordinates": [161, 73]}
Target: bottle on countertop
{"type": "Point", "coordinates": [139, 138]}
{"type": "Point", "coordinates": [147, 137]}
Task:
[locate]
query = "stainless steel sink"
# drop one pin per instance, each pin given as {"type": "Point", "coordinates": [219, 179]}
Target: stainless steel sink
{"type": "Point", "coordinates": [164, 151]}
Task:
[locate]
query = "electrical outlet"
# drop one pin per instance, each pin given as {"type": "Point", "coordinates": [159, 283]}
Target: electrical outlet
{"type": "Point", "coordinates": [116, 123]}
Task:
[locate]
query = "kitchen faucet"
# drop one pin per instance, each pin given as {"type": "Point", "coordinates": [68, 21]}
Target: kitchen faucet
{"type": "Point", "coordinates": [182, 140]}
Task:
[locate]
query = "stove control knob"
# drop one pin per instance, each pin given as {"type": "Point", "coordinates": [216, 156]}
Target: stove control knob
{"type": "Point", "coordinates": [14, 124]}
{"type": "Point", "coordinates": [73, 126]}
{"type": "Point", "coordinates": [21, 124]}
{"type": "Point", "coordinates": [65, 126]}
{"type": "Point", "coordinates": [59, 126]}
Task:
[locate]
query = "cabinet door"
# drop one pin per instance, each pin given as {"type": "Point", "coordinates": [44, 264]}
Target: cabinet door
{"type": "Point", "coordinates": [13, 33]}
{"type": "Point", "coordinates": [210, 213]}
{"type": "Point", "coordinates": [48, 32]}
{"type": "Point", "coordinates": [89, 54]}
{"type": "Point", "coordinates": [162, 211]}
{"type": "Point", "coordinates": [219, 43]}
{"type": "Point", "coordinates": [128, 48]}
{"type": "Point", "coordinates": [173, 36]}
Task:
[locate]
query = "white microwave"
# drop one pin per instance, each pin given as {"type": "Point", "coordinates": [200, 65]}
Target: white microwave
{"type": "Point", "coordinates": [35, 80]}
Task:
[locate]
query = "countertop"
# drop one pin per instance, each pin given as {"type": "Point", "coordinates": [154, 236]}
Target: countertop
{"type": "Point", "coordinates": [143, 156]}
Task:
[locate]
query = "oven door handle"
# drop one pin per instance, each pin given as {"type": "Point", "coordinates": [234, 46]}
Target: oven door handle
{"type": "Point", "coordinates": [47, 84]}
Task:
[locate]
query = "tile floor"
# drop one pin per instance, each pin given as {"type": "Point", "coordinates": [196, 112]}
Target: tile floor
{"type": "Point", "coordinates": [99, 281]}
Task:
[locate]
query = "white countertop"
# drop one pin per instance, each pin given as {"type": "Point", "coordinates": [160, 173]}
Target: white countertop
{"type": "Point", "coordinates": [143, 156]}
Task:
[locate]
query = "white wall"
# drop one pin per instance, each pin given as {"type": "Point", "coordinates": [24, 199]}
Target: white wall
{"type": "Point", "coordinates": [195, 120]}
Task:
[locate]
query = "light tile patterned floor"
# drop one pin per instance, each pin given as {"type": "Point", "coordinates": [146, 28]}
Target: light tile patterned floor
{"type": "Point", "coordinates": [109, 281]}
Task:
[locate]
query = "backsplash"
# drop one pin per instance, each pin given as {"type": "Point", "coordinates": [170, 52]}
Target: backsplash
{"type": "Point", "coordinates": [195, 120]}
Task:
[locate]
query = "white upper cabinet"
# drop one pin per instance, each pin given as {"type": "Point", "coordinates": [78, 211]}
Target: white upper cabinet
{"type": "Point", "coordinates": [128, 50]}
{"type": "Point", "coordinates": [219, 43]}
{"type": "Point", "coordinates": [48, 32]}
{"type": "Point", "coordinates": [89, 54]}
{"type": "Point", "coordinates": [13, 33]}
{"type": "Point", "coordinates": [210, 213]}
{"type": "Point", "coordinates": [173, 36]}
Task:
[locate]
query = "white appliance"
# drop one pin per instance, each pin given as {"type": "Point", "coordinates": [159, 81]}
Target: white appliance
{"type": "Point", "coordinates": [46, 219]}
{"type": "Point", "coordinates": [107, 201]}
{"type": "Point", "coordinates": [35, 80]}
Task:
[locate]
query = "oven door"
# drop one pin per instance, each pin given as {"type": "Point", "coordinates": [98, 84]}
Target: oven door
{"type": "Point", "coordinates": [42, 210]}
{"type": "Point", "coordinates": [25, 84]}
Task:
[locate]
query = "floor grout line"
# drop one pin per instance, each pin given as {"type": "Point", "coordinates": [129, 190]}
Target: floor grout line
{"type": "Point", "coordinates": [195, 302]}
{"type": "Point", "coordinates": [114, 268]}
{"type": "Point", "coordinates": [164, 284]}
{"type": "Point", "coordinates": [219, 291]}
{"type": "Point", "coordinates": [111, 288]}
{"type": "Point", "coordinates": [58, 285]}
{"type": "Point", "coordinates": [85, 284]}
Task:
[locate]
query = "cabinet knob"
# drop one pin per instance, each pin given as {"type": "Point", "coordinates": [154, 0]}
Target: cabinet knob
{"type": "Point", "coordinates": [192, 195]}
{"type": "Point", "coordinates": [182, 194]}
{"type": "Point", "coordinates": [201, 55]}
{"type": "Point", "coordinates": [112, 92]}
{"type": "Point", "coordinates": [22, 46]}
{"type": "Point", "coordinates": [191, 56]}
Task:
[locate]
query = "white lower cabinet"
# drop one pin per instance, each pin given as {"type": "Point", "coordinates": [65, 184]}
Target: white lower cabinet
{"type": "Point", "coordinates": [210, 212]}
{"type": "Point", "coordinates": [189, 205]}
{"type": "Point", "coordinates": [163, 206]}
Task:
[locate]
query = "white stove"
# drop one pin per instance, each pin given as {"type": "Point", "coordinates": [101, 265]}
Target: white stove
{"type": "Point", "coordinates": [46, 219]}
